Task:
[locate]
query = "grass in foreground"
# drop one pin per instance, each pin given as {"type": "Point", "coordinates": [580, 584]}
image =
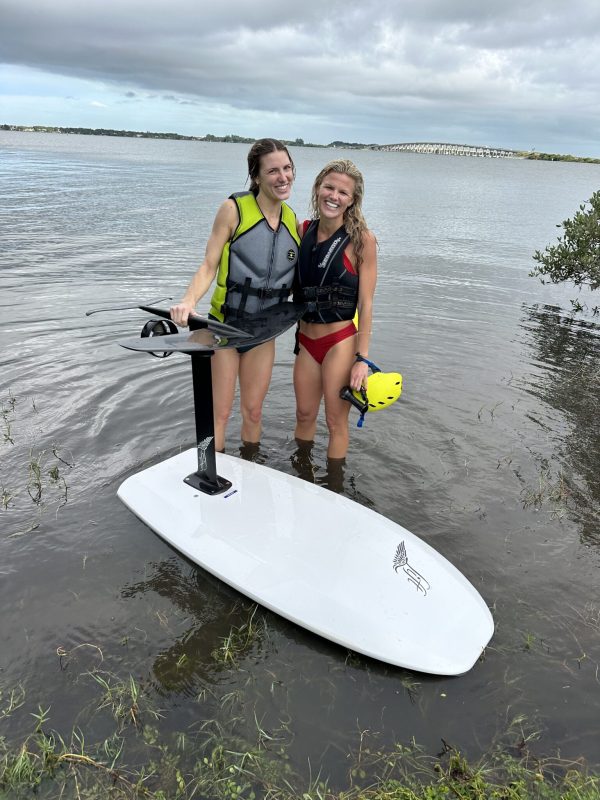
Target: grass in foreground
{"type": "Point", "coordinates": [137, 761]}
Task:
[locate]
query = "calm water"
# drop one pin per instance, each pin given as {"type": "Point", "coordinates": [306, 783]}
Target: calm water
{"type": "Point", "coordinates": [492, 455]}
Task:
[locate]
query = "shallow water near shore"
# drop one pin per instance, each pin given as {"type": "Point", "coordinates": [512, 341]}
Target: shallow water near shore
{"type": "Point", "coordinates": [492, 454]}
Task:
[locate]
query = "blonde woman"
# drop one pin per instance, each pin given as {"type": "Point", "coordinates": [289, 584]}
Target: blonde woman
{"type": "Point", "coordinates": [337, 273]}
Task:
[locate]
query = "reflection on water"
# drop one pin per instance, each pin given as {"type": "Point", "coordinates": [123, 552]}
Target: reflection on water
{"type": "Point", "coordinates": [568, 352]}
{"type": "Point", "coordinates": [199, 650]}
{"type": "Point", "coordinates": [305, 467]}
{"type": "Point", "coordinates": [333, 475]}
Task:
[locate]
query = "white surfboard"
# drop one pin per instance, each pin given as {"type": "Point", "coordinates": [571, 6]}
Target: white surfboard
{"type": "Point", "coordinates": [320, 560]}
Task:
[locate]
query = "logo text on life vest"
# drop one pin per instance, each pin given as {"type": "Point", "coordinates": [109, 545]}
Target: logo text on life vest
{"type": "Point", "coordinates": [322, 264]}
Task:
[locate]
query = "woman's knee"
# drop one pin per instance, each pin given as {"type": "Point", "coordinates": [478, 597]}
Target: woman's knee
{"type": "Point", "coordinates": [306, 415]}
{"type": "Point", "coordinates": [222, 409]}
{"type": "Point", "coordinates": [336, 423]}
{"type": "Point", "coordinates": [221, 415]}
{"type": "Point", "coordinates": [252, 413]}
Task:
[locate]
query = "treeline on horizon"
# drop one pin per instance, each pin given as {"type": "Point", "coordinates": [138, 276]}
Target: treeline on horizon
{"type": "Point", "coordinates": [533, 156]}
{"type": "Point", "coordinates": [230, 137]}
{"type": "Point", "coordinates": [233, 138]}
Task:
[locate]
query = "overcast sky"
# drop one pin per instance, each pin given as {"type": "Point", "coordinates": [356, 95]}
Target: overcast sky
{"type": "Point", "coordinates": [522, 75]}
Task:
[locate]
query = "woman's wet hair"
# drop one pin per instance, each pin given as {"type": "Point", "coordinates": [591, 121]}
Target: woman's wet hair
{"type": "Point", "coordinates": [354, 222]}
{"type": "Point", "coordinates": [260, 148]}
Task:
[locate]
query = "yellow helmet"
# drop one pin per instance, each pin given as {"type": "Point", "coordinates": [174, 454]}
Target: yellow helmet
{"type": "Point", "coordinates": [383, 389]}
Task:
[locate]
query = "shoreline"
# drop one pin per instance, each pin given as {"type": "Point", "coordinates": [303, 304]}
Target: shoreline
{"type": "Point", "coordinates": [415, 147]}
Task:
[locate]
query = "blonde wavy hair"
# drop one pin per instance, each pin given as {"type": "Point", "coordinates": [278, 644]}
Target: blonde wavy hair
{"type": "Point", "coordinates": [354, 222]}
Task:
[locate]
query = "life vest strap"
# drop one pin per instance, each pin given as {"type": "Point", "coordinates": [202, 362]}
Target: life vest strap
{"type": "Point", "coordinates": [262, 292]}
{"type": "Point", "coordinates": [323, 298]}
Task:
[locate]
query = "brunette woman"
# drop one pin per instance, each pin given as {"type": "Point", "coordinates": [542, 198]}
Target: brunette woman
{"type": "Point", "coordinates": [253, 252]}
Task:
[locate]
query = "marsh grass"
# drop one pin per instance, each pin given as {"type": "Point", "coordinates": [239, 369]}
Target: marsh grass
{"type": "Point", "coordinates": [7, 409]}
{"type": "Point", "coordinates": [6, 497]}
{"type": "Point", "coordinates": [34, 481]}
{"type": "Point", "coordinates": [30, 473]}
{"type": "Point", "coordinates": [11, 700]}
{"type": "Point", "coordinates": [43, 477]}
{"type": "Point", "coordinates": [590, 615]}
{"type": "Point", "coordinates": [550, 489]}
{"type": "Point", "coordinates": [408, 773]}
{"type": "Point", "coordinates": [210, 761]}
{"type": "Point", "coordinates": [125, 699]}
{"type": "Point", "coordinates": [240, 640]}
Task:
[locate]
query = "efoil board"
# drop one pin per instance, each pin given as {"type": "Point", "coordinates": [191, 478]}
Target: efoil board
{"type": "Point", "coordinates": [320, 560]}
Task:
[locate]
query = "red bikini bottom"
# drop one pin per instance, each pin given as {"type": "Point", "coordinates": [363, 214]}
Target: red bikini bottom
{"type": "Point", "coordinates": [318, 348]}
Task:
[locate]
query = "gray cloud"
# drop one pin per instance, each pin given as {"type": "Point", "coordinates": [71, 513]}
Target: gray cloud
{"type": "Point", "coordinates": [400, 70]}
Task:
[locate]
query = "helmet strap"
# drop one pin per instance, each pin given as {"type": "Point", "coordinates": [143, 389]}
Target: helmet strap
{"type": "Point", "coordinates": [370, 364]}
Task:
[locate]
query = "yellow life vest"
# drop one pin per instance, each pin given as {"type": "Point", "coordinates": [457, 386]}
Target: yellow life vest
{"type": "Point", "coordinates": [258, 264]}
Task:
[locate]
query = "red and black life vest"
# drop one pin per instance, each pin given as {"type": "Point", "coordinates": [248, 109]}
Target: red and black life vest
{"type": "Point", "coordinates": [326, 280]}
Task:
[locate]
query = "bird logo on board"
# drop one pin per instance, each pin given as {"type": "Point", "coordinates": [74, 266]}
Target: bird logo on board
{"type": "Point", "coordinates": [202, 448]}
{"type": "Point", "coordinates": [414, 577]}
{"type": "Point", "coordinates": [291, 255]}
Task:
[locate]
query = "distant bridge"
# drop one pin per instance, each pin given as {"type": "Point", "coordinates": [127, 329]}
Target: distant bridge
{"type": "Point", "coordinates": [450, 149]}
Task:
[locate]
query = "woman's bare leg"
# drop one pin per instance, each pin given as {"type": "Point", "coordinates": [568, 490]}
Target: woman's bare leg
{"type": "Point", "coordinates": [309, 391]}
{"type": "Point", "coordinates": [225, 366]}
{"type": "Point", "coordinates": [255, 371]}
{"type": "Point", "coordinates": [335, 372]}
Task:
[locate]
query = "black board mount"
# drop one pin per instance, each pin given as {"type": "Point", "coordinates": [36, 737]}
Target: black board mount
{"type": "Point", "coordinates": [204, 338]}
